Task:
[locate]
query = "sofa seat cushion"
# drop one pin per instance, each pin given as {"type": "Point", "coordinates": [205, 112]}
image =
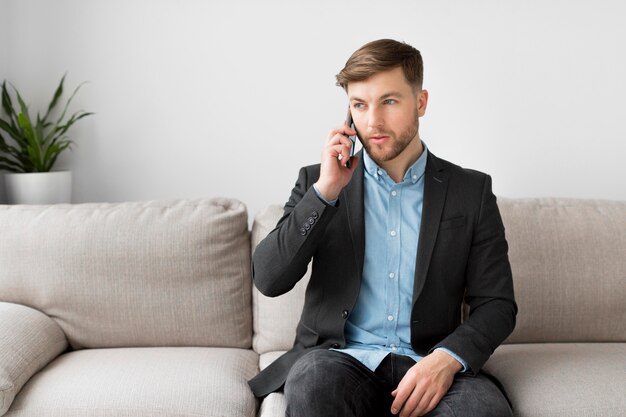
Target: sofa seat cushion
{"type": "Point", "coordinates": [273, 405]}
{"type": "Point", "coordinates": [562, 379]}
{"type": "Point", "coordinates": [138, 382]}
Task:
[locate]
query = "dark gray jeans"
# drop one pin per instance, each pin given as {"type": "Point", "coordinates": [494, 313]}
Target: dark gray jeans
{"type": "Point", "coordinates": [330, 383]}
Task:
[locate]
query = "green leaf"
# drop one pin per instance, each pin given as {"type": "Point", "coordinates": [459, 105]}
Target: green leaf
{"type": "Point", "coordinates": [7, 104]}
{"type": "Point", "coordinates": [13, 132]}
{"type": "Point", "coordinates": [55, 98]}
{"type": "Point", "coordinates": [69, 101]}
{"type": "Point", "coordinates": [10, 165]}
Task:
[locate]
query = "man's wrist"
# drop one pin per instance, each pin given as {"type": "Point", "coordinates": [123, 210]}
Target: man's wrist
{"type": "Point", "coordinates": [326, 192]}
{"type": "Point", "coordinates": [456, 360]}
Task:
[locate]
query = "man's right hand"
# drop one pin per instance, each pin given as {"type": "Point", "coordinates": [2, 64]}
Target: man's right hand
{"type": "Point", "coordinates": [334, 175]}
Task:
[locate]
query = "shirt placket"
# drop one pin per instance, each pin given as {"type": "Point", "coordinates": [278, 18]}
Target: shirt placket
{"type": "Point", "coordinates": [392, 295]}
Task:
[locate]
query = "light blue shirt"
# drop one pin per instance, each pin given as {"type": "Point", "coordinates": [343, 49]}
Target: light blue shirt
{"type": "Point", "coordinates": [380, 322]}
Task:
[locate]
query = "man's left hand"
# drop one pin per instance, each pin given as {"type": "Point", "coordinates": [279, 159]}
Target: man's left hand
{"type": "Point", "coordinates": [425, 384]}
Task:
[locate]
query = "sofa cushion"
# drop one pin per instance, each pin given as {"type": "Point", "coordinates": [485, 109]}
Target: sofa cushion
{"type": "Point", "coordinates": [562, 379]}
{"type": "Point", "coordinates": [274, 405]}
{"type": "Point", "coordinates": [156, 273]}
{"type": "Point", "coordinates": [29, 340]}
{"type": "Point", "coordinates": [567, 257]}
{"type": "Point", "coordinates": [266, 359]}
{"type": "Point", "coordinates": [275, 319]}
{"type": "Point", "coordinates": [142, 382]}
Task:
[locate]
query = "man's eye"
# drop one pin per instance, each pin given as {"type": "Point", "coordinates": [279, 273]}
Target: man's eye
{"type": "Point", "coordinates": [390, 101]}
{"type": "Point", "coordinates": [358, 105]}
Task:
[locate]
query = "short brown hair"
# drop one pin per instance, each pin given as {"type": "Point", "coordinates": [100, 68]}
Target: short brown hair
{"type": "Point", "coordinates": [383, 55]}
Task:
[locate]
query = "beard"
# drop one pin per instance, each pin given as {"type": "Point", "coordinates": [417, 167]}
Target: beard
{"type": "Point", "coordinates": [396, 144]}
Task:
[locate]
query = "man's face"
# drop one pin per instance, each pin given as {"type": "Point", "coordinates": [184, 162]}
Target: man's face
{"type": "Point", "coordinates": [386, 112]}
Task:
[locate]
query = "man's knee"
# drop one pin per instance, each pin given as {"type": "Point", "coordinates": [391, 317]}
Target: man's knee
{"type": "Point", "coordinates": [473, 397]}
{"type": "Point", "coordinates": [310, 374]}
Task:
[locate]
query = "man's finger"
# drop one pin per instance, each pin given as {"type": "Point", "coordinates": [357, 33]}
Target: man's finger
{"type": "Point", "coordinates": [422, 406]}
{"type": "Point", "coordinates": [402, 393]}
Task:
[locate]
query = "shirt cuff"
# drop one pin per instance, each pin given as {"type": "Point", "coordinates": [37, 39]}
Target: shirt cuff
{"type": "Point", "coordinates": [330, 203]}
{"type": "Point", "coordinates": [457, 357]}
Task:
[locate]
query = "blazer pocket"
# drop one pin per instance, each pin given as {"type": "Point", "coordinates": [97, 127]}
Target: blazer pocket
{"type": "Point", "coordinates": [452, 223]}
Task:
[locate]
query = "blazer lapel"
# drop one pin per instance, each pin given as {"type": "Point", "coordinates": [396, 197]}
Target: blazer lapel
{"type": "Point", "coordinates": [435, 187]}
{"type": "Point", "coordinates": [353, 197]}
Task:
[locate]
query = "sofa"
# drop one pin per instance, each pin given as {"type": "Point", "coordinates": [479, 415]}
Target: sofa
{"type": "Point", "coordinates": [148, 309]}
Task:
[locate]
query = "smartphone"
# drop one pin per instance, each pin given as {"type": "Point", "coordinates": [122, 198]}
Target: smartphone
{"type": "Point", "coordinates": [350, 124]}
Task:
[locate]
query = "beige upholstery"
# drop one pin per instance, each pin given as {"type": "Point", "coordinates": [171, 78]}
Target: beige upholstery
{"type": "Point", "coordinates": [265, 359]}
{"type": "Point", "coordinates": [275, 319]}
{"type": "Point", "coordinates": [29, 340]}
{"type": "Point", "coordinates": [273, 405]}
{"type": "Point", "coordinates": [142, 382]}
{"type": "Point", "coordinates": [569, 269]}
{"type": "Point", "coordinates": [132, 274]}
{"type": "Point", "coordinates": [563, 379]}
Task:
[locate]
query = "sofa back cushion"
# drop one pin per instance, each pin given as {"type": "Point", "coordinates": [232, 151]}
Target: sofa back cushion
{"type": "Point", "coordinates": [169, 273]}
{"type": "Point", "coordinates": [275, 319]}
{"type": "Point", "coordinates": [569, 268]}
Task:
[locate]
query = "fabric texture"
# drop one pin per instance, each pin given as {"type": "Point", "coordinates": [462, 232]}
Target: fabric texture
{"type": "Point", "coordinates": [29, 340]}
{"type": "Point", "coordinates": [156, 273]}
{"type": "Point", "coordinates": [275, 318]}
{"type": "Point", "coordinates": [274, 405]}
{"type": "Point", "coordinates": [562, 379]}
{"type": "Point", "coordinates": [142, 382]}
{"type": "Point", "coordinates": [265, 359]}
{"type": "Point", "coordinates": [569, 269]}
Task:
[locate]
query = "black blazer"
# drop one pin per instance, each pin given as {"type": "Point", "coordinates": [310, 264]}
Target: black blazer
{"type": "Point", "coordinates": [462, 255]}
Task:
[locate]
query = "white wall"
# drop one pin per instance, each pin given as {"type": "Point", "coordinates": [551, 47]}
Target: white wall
{"type": "Point", "coordinates": [198, 99]}
{"type": "Point", "coordinates": [3, 64]}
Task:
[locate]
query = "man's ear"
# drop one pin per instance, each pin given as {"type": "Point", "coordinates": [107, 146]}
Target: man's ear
{"type": "Point", "coordinates": [422, 102]}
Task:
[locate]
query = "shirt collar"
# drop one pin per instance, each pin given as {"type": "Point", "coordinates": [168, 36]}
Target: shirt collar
{"type": "Point", "coordinates": [413, 174]}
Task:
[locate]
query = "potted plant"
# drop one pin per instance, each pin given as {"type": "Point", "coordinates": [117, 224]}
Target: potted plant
{"type": "Point", "coordinates": [29, 149]}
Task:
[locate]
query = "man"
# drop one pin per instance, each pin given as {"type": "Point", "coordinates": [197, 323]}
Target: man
{"type": "Point", "coordinates": [398, 240]}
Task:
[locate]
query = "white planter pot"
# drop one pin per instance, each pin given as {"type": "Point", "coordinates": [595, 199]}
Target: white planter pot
{"type": "Point", "coordinates": [38, 187]}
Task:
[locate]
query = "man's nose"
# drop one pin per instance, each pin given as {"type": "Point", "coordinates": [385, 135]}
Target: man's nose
{"type": "Point", "coordinates": [376, 119]}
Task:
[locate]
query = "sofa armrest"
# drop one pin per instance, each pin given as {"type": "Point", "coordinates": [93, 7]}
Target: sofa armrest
{"type": "Point", "coordinates": [29, 340]}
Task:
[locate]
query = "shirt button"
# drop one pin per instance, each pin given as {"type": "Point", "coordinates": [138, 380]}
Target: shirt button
{"type": "Point", "coordinates": [392, 233]}
{"type": "Point", "coordinates": [390, 317]}
{"type": "Point", "coordinates": [414, 177]}
{"type": "Point", "coordinates": [344, 314]}
{"type": "Point", "coordinates": [394, 347]}
{"type": "Point", "coordinates": [394, 193]}
{"type": "Point", "coordinates": [392, 275]}
{"type": "Point", "coordinates": [379, 172]}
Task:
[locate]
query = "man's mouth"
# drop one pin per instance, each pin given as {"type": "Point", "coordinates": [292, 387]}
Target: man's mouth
{"type": "Point", "coordinates": [378, 139]}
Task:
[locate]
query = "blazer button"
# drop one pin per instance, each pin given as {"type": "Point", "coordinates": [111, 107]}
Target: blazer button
{"type": "Point", "coordinates": [311, 220]}
{"type": "Point", "coordinates": [315, 215]}
{"type": "Point", "coordinates": [302, 231]}
{"type": "Point", "coordinates": [335, 346]}
{"type": "Point", "coordinates": [344, 314]}
{"type": "Point", "coordinates": [307, 226]}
